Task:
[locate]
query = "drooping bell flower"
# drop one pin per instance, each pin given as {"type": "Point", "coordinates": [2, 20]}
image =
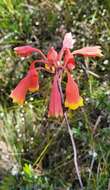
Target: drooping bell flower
{"type": "Point", "coordinates": [67, 44]}
{"type": "Point", "coordinates": [69, 60]}
{"type": "Point", "coordinates": [33, 77]}
{"type": "Point", "coordinates": [19, 93]}
{"type": "Point", "coordinates": [51, 59]}
{"type": "Point", "coordinates": [29, 82]}
{"type": "Point", "coordinates": [68, 41]}
{"type": "Point", "coordinates": [73, 99]}
{"type": "Point", "coordinates": [93, 51]}
{"type": "Point", "coordinates": [55, 105]}
{"type": "Point", "coordinates": [24, 51]}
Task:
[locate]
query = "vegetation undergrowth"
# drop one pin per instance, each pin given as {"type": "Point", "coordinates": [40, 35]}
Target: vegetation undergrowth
{"type": "Point", "coordinates": [36, 152]}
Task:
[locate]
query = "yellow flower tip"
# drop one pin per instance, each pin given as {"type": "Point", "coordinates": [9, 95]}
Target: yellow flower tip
{"type": "Point", "coordinates": [20, 102]}
{"type": "Point", "coordinates": [16, 100]}
{"type": "Point", "coordinates": [56, 115]}
{"type": "Point", "coordinates": [74, 106]}
{"type": "Point", "coordinates": [59, 115]}
{"type": "Point", "coordinates": [47, 67]}
{"type": "Point", "coordinates": [52, 69]}
{"type": "Point", "coordinates": [33, 89]}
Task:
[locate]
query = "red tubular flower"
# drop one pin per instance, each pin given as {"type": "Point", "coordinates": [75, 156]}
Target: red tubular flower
{"type": "Point", "coordinates": [55, 105]}
{"type": "Point", "coordinates": [33, 77]}
{"type": "Point", "coordinates": [69, 61]}
{"type": "Point", "coordinates": [68, 41]}
{"type": "Point", "coordinates": [29, 82]}
{"type": "Point", "coordinates": [52, 56]}
{"type": "Point", "coordinates": [93, 51]}
{"type": "Point", "coordinates": [73, 99]}
{"type": "Point", "coordinates": [24, 51]}
{"type": "Point", "coordinates": [52, 59]}
{"type": "Point", "coordinates": [19, 93]}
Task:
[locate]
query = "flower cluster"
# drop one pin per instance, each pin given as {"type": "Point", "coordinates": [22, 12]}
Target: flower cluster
{"type": "Point", "coordinates": [57, 64]}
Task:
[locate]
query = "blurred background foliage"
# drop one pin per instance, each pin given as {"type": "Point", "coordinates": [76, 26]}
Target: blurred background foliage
{"type": "Point", "coordinates": [36, 152]}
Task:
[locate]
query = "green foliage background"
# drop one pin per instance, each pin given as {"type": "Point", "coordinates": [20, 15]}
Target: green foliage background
{"type": "Point", "coordinates": [40, 148]}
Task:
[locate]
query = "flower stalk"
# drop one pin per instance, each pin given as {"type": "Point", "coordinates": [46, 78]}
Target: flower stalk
{"type": "Point", "coordinates": [71, 138]}
{"type": "Point", "coordinates": [74, 150]}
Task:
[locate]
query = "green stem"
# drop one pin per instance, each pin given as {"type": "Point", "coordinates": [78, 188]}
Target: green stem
{"type": "Point", "coordinates": [43, 152]}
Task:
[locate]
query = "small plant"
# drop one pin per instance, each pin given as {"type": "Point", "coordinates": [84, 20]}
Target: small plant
{"type": "Point", "coordinates": [58, 65]}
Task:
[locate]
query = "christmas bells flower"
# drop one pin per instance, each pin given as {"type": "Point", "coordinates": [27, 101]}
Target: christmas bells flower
{"type": "Point", "coordinates": [34, 79]}
{"type": "Point", "coordinates": [27, 50]}
{"type": "Point", "coordinates": [55, 105]}
{"type": "Point", "coordinates": [51, 60]}
{"type": "Point", "coordinates": [24, 51]}
{"type": "Point", "coordinates": [19, 93]}
{"type": "Point", "coordinates": [93, 51]}
{"type": "Point", "coordinates": [73, 99]}
{"type": "Point", "coordinates": [69, 60]}
{"type": "Point", "coordinates": [52, 57]}
{"type": "Point", "coordinates": [28, 83]}
{"type": "Point", "coordinates": [68, 41]}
